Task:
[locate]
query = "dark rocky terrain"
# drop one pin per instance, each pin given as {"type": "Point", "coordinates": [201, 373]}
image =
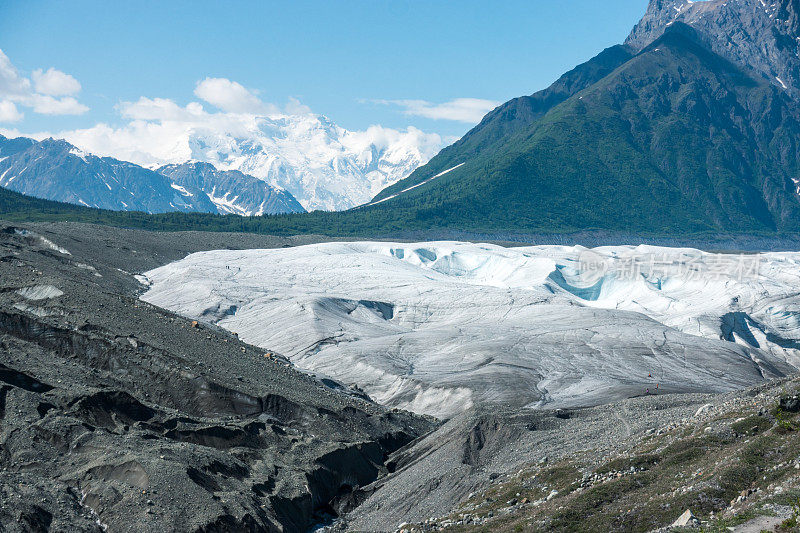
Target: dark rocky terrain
{"type": "Point", "coordinates": [118, 416]}
{"type": "Point", "coordinates": [732, 460]}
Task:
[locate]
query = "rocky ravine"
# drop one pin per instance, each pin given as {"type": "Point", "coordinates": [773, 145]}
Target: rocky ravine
{"type": "Point", "coordinates": [118, 415]}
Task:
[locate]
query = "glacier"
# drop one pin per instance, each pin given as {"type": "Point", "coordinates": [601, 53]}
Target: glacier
{"type": "Point", "coordinates": [439, 327]}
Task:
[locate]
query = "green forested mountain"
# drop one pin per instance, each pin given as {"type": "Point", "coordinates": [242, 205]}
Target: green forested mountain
{"type": "Point", "coordinates": [675, 139]}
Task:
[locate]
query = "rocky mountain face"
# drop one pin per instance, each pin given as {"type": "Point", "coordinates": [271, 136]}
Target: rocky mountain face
{"type": "Point", "coordinates": [231, 191]}
{"type": "Point", "coordinates": [56, 170]}
{"type": "Point", "coordinates": [761, 35]}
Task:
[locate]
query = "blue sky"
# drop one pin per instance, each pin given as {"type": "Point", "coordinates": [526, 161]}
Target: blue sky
{"type": "Point", "coordinates": [359, 62]}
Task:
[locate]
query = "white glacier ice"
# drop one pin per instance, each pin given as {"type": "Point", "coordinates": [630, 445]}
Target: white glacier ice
{"type": "Point", "coordinates": [438, 327]}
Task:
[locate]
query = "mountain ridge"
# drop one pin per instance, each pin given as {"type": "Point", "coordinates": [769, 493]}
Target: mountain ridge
{"type": "Point", "coordinates": [57, 170]}
{"type": "Point", "coordinates": [232, 191]}
{"type": "Point", "coordinates": [524, 109]}
{"type": "Point", "coordinates": [754, 125]}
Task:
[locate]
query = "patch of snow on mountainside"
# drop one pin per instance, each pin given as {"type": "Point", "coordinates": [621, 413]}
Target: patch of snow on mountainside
{"type": "Point", "coordinates": [77, 152]}
{"type": "Point", "coordinates": [439, 175]}
{"type": "Point", "coordinates": [439, 327]}
{"type": "Point", "coordinates": [180, 189]}
{"type": "Point", "coordinates": [228, 205]}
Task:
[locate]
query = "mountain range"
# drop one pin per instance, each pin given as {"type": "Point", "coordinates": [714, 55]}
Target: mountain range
{"type": "Point", "coordinates": [321, 165]}
{"type": "Point", "coordinates": [691, 126]}
{"type": "Point", "coordinates": [56, 170]}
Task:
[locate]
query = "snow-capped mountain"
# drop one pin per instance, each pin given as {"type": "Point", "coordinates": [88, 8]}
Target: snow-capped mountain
{"type": "Point", "coordinates": [57, 170]}
{"type": "Point", "coordinates": [324, 166]}
{"type": "Point", "coordinates": [231, 191]}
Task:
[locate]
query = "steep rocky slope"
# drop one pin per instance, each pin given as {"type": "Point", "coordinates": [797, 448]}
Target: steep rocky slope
{"type": "Point", "coordinates": [723, 463]}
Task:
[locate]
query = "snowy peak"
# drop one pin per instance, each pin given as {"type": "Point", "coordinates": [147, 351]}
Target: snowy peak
{"type": "Point", "coordinates": [324, 166]}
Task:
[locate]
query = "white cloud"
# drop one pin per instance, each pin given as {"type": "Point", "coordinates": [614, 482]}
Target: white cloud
{"type": "Point", "coordinates": [53, 82]}
{"type": "Point", "coordinates": [468, 110]}
{"type": "Point", "coordinates": [161, 131]}
{"type": "Point", "coordinates": [382, 138]}
{"type": "Point", "coordinates": [41, 95]}
{"type": "Point", "coordinates": [9, 112]}
{"type": "Point", "coordinates": [161, 109]}
{"type": "Point", "coordinates": [231, 97]}
{"type": "Point", "coordinates": [48, 105]}
{"type": "Point", "coordinates": [295, 107]}
{"type": "Point", "coordinates": [11, 83]}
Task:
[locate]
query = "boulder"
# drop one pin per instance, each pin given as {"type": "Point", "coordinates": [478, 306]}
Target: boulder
{"type": "Point", "coordinates": [687, 519]}
{"type": "Point", "coordinates": [790, 404]}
